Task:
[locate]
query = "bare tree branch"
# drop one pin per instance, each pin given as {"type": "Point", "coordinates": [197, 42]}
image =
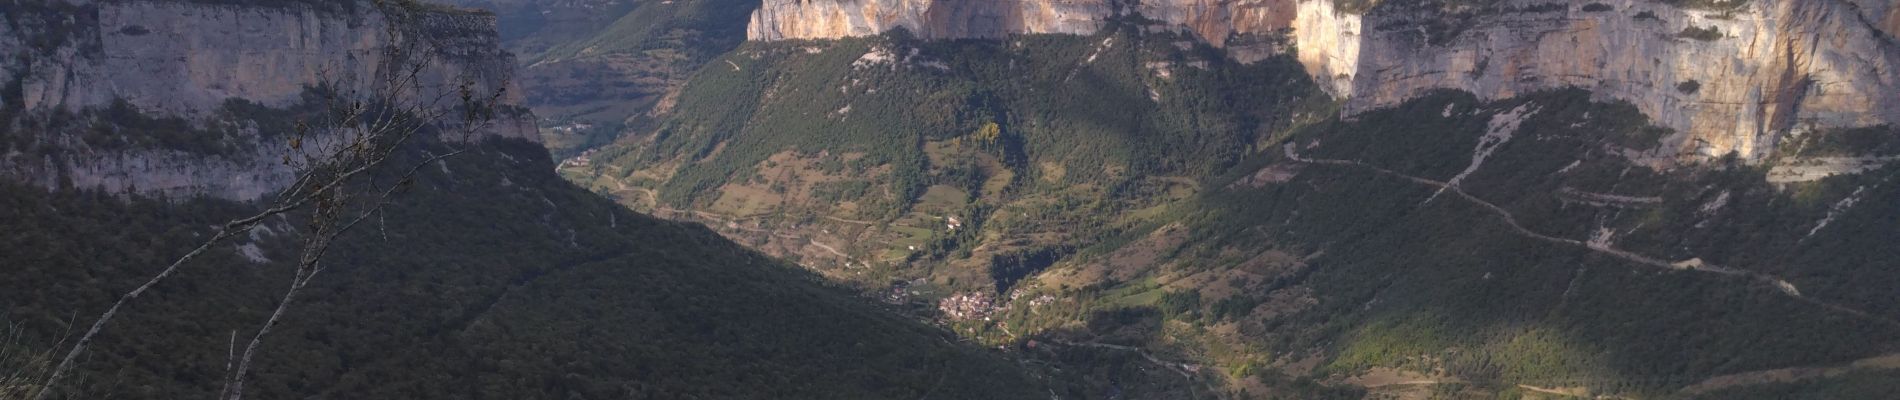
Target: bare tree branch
{"type": "Point", "coordinates": [316, 244]}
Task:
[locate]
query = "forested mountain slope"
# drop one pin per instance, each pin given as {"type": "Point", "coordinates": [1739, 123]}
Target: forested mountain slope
{"type": "Point", "coordinates": [1140, 189]}
{"type": "Point", "coordinates": [493, 279]}
{"type": "Point", "coordinates": [487, 277]}
{"type": "Point", "coordinates": [1727, 75]}
{"type": "Point", "coordinates": [593, 69]}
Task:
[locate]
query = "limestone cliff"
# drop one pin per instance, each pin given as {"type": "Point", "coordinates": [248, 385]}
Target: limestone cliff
{"type": "Point", "coordinates": [1215, 20]}
{"type": "Point", "coordinates": [1744, 82]}
{"type": "Point", "coordinates": [1727, 80]}
{"type": "Point", "coordinates": [798, 19]}
{"type": "Point", "coordinates": [182, 60]}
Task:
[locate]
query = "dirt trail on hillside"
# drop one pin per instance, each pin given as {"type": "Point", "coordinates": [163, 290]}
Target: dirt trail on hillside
{"type": "Point", "coordinates": [1580, 387]}
{"type": "Point", "coordinates": [833, 250]}
{"type": "Point", "coordinates": [1697, 265]}
{"type": "Point", "coordinates": [854, 221]}
{"type": "Point", "coordinates": [1573, 392]}
{"type": "Point", "coordinates": [723, 224]}
{"type": "Point", "coordinates": [1379, 377]}
{"type": "Point", "coordinates": [1785, 375]}
{"type": "Point", "coordinates": [1176, 367]}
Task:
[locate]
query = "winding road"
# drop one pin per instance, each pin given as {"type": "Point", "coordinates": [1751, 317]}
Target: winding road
{"type": "Point", "coordinates": [1779, 284]}
{"type": "Point", "coordinates": [1178, 368]}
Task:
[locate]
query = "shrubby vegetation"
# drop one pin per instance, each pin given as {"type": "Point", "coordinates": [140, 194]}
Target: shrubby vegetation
{"type": "Point", "coordinates": [1030, 103]}
{"type": "Point", "coordinates": [695, 31]}
{"type": "Point", "coordinates": [45, 26]}
{"type": "Point", "coordinates": [1365, 6]}
{"type": "Point", "coordinates": [1716, 5]}
{"type": "Point", "coordinates": [1689, 86]}
{"type": "Point", "coordinates": [1092, 134]}
{"type": "Point", "coordinates": [1439, 22]}
{"type": "Point", "coordinates": [608, 77]}
{"type": "Point", "coordinates": [1446, 285]}
{"type": "Point", "coordinates": [116, 127]}
{"type": "Point", "coordinates": [348, 6]}
{"type": "Point", "coordinates": [1883, 141]}
{"type": "Point", "coordinates": [1708, 34]}
{"type": "Point", "coordinates": [1851, 385]}
{"type": "Point", "coordinates": [494, 279]}
{"type": "Point", "coordinates": [233, 130]}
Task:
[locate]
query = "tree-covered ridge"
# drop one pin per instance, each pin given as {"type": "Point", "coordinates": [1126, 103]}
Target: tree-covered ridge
{"type": "Point", "coordinates": [1411, 276]}
{"type": "Point", "coordinates": [596, 70]}
{"type": "Point", "coordinates": [493, 279]}
{"type": "Point", "coordinates": [1557, 263]}
{"type": "Point", "coordinates": [1127, 198]}
{"type": "Point", "coordinates": [1065, 110]}
{"type": "Point", "coordinates": [1135, 193]}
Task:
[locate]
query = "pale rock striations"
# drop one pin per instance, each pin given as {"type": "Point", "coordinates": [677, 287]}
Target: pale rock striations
{"type": "Point", "coordinates": [1779, 67]}
{"type": "Point", "coordinates": [943, 19]}
{"type": "Point", "coordinates": [184, 59]}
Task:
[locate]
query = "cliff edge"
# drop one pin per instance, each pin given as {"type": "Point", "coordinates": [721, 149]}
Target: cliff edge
{"type": "Point", "coordinates": [1734, 78]}
{"type": "Point", "coordinates": [182, 97]}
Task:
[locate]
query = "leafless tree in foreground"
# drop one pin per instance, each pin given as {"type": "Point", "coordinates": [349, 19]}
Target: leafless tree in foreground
{"type": "Point", "coordinates": [344, 174]}
{"type": "Point", "coordinates": [18, 364]}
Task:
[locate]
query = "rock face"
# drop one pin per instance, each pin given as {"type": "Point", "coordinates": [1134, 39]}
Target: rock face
{"type": "Point", "coordinates": [185, 59]}
{"type": "Point", "coordinates": [947, 19]}
{"type": "Point", "coordinates": [1776, 68]}
{"type": "Point", "coordinates": [1736, 81]}
{"type": "Point", "coordinates": [831, 19]}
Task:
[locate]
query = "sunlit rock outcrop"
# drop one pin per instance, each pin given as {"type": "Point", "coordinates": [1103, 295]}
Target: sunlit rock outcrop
{"type": "Point", "coordinates": [1737, 81]}
{"type": "Point", "coordinates": [185, 60]}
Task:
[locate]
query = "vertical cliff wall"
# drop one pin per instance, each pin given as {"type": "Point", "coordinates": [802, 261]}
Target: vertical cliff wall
{"type": "Point", "coordinates": [798, 19]}
{"type": "Point", "coordinates": [1738, 80]}
{"type": "Point", "coordinates": [1727, 81]}
{"type": "Point", "coordinates": [831, 19]}
{"type": "Point", "coordinates": [182, 61]}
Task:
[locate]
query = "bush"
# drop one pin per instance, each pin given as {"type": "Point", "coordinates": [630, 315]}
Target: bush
{"type": "Point", "coordinates": [1689, 87]}
{"type": "Point", "coordinates": [1179, 303]}
{"type": "Point", "coordinates": [1716, 5]}
{"type": "Point", "coordinates": [1708, 34]}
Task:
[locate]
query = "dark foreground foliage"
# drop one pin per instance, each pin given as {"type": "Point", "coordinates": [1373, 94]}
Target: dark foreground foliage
{"type": "Point", "coordinates": [493, 279]}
